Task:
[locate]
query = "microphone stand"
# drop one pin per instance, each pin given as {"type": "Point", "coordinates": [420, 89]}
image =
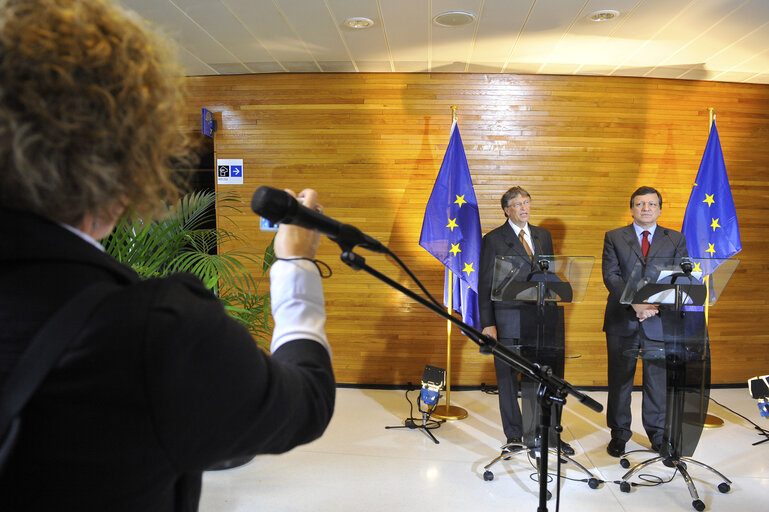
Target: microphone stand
{"type": "Point", "coordinates": [552, 389]}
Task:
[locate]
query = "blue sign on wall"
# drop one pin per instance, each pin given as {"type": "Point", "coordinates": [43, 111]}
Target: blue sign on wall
{"type": "Point", "coordinates": [208, 122]}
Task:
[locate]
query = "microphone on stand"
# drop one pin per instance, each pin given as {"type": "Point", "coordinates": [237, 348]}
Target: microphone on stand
{"type": "Point", "coordinates": [279, 206]}
{"type": "Point", "coordinates": [686, 262]}
{"type": "Point", "coordinates": [542, 262]}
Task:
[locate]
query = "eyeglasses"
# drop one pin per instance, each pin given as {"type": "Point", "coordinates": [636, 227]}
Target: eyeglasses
{"type": "Point", "coordinates": [650, 204]}
{"type": "Point", "coordinates": [518, 204]}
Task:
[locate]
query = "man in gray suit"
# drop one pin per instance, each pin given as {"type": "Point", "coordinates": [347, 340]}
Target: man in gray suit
{"type": "Point", "coordinates": [502, 319]}
{"type": "Point", "coordinates": [636, 326]}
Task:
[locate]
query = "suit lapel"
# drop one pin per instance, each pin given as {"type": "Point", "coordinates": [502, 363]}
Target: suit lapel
{"type": "Point", "coordinates": [513, 242]}
{"type": "Point", "coordinates": [628, 234]}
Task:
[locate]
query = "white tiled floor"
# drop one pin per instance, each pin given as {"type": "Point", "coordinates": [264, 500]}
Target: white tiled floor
{"type": "Point", "coordinates": [358, 465]}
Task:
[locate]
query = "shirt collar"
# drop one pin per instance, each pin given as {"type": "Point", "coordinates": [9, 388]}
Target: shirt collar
{"type": "Point", "coordinates": [517, 229]}
{"type": "Point", "coordinates": [88, 238]}
{"type": "Point", "coordinates": [639, 230]}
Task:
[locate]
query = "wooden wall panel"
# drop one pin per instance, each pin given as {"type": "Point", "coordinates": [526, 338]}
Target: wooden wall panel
{"type": "Point", "coordinates": [372, 144]}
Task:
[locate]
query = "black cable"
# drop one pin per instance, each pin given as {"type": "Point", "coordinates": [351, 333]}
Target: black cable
{"type": "Point", "coordinates": [322, 266]}
{"type": "Point", "coordinates": [410, 422]}
{"type": "Point", "coordinates": [413, 277]}
{"type": "Point", "coordinates": [761, 430]}
{"type": "Point", "coordinates": [652, 480]}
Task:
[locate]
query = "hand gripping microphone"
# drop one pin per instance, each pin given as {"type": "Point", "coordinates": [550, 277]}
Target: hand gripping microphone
{"type": "Point", "coordinates": [279, 206]}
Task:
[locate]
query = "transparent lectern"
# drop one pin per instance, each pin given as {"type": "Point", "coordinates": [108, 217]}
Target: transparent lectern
{"type": "Point", "coordinates": [534, 287]}
{"type": "Point", "coordinates": [679, 287]}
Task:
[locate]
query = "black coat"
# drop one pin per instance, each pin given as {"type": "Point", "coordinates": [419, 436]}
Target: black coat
{"type": "Point", "coordinates": [162, 385]}
{"type": "Point", "coordinates": [501, 241]}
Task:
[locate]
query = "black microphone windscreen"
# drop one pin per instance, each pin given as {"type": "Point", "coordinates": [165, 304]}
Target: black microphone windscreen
{"type": "Point", "coordinates": [273, 204]}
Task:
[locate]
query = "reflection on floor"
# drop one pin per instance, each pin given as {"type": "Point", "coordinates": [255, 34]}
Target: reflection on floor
{"type": "Point", "coordinates": [358, 465]}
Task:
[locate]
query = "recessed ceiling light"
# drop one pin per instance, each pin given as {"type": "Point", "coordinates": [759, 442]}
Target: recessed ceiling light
{"type": "Point", "coordinates": [603, 15]}
{"type": "Point", "coordinates": [359, 22]}
{"type": "Point", "coordinates": [454, 18]}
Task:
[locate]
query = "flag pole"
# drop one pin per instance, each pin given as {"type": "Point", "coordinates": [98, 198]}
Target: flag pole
{"type": "Point", "coordinates": [447, 411]}
{"type": "Point", "coordinates": [711, 421]}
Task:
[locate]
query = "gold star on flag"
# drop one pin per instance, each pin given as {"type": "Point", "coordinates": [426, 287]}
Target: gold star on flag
{"type": "Point", "coordinates": [460, 200]}
{"type": "Point", "coordinates": [455, 249]}
{"type": "Point", "coordinates": [714, 224]}
{"type": "Point", "coordinates": [709, 199]}
{"type": "Point", "coordinates": [452, 224]}
{"type": "Point", "coordinates": [468, 268]}
{"type": "Point", "coordinates": [697, 268]}
{"type": "Point", "coordinates": [711, 250]}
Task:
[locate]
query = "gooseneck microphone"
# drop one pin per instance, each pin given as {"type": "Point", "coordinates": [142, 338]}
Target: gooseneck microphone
{"type": "Point", "coordinates": [279, 206]}
{"type": "Point", "coordinates": [686, 262]}
{"type": "Point", "coordinates": [543, 262]}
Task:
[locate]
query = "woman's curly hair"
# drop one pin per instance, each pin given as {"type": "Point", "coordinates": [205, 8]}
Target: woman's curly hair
{"type": "Point", "coordinates": [90, 107]}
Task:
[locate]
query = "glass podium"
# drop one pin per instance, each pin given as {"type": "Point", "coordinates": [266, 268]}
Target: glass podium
{"type": "Point", "coordinates": [680, 287]}
{"type": "Point", "coordinates": [535, 286]}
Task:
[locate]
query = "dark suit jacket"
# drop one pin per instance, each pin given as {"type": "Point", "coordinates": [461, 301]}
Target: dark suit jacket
{"type": "Point", "coordinates": [162, 384]}
{"type": "Point", "coordinates": [621, 252]}
{"type": "Point", "coordinates": [505, 315]}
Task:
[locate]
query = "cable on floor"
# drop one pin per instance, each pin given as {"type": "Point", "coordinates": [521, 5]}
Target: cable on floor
{"type": "Point", "coordinates": [761, 431]}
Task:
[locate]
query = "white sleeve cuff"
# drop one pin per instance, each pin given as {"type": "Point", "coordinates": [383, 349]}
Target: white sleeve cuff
{"type": "Point", "coordinates": [297, 301]}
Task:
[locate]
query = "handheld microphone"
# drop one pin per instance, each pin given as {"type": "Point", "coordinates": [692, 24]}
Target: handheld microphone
{"type": "Point", "coordinates": [279, 206]}
{"type": "Point", "coordinates": [686, 262]}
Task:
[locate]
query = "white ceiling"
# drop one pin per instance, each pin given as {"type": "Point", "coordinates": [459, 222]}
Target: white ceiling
{"type": "Point", "coordinates": [721, 40]}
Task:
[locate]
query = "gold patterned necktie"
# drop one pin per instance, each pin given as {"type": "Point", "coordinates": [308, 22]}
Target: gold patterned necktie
{"type": "Point", "coordinates": [525, 244]}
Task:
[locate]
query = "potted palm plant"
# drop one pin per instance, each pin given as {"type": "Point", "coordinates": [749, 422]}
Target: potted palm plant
{"type": "Point", "coordinates": [186, 239]}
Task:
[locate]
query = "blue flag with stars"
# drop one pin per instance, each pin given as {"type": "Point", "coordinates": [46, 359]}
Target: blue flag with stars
{"type": "Point", "coordinates": [451, 229]}
{"type": "Point", "coordinates": [710, 222]}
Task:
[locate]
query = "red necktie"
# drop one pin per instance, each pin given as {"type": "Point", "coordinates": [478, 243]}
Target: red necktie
{"type": "Point", "coordinates": [645, 244]}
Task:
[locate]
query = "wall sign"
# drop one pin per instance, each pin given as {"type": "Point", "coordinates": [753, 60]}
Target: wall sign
{"type": "Point", "coordinates": [229, 171]}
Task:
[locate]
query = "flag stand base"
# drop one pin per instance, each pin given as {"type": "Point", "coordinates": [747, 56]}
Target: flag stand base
{"type": "Point", "coordinates": [712, 421]}
{"type": "Point", "coordinates": [451, 412]}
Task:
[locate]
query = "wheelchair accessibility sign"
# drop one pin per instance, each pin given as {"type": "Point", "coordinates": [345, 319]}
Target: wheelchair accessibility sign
{"type": "Point", "coordinates": [229, 171]}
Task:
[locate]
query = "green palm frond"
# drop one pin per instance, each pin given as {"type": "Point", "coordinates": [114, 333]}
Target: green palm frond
{"type": "Point", "coordinates": [182, 241]}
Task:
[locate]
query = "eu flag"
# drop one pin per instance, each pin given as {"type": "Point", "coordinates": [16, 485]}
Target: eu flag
{"type": "Point", "coordinates": [710, 222]}
{"type": "Point", "coordinates": [451, 229]}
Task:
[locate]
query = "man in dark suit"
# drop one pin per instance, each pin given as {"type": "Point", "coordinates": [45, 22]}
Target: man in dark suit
{"type": "Point", "coordinates": [502, 319]}
{"type": "Point", "coordinates": [630, 327]}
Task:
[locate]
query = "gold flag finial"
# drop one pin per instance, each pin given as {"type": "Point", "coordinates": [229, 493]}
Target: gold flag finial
{"type": "Point", "coordinates": [453, 112]}
{"type": "Point", "coordinates": [711, 117]}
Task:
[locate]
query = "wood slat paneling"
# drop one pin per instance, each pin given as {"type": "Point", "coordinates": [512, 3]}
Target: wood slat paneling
{"type": "Point", "coordinates": [372, 144]}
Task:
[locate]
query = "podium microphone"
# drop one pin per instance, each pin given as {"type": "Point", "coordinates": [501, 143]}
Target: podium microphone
{"type": "Point", "coordinates": [279, 206]}
{"type": "Point", "coordinates": [686, 262]}
{"type": "Point", "coordinates": [543, 263]}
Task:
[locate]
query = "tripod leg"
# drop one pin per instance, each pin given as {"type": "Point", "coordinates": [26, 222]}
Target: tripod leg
{"type": "Point", "coordinates": [426, 430]}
